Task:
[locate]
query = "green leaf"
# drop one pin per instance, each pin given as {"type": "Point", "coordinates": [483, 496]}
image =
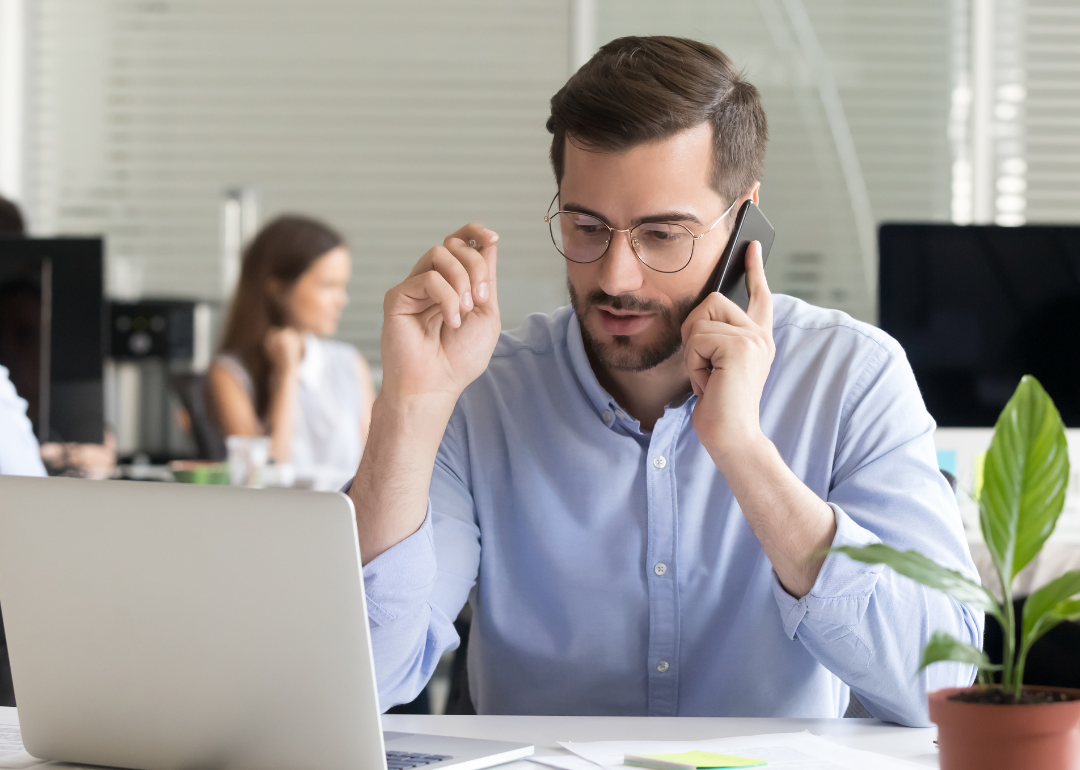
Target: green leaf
{"type": "Point", "coordinates": [944, 647]}
{"type": "Point", "coordinates": [1024, 479]}
{"type": "Point", "coordinates": [1069, 610]}
{"type": "Point", "coordinates": [922, 570]}
{"type": "Point", "coordinates": [1047, 607]}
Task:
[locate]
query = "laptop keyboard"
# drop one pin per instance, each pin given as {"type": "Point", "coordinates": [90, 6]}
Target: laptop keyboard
{"type": "Point", "coordinates": [403, 760]}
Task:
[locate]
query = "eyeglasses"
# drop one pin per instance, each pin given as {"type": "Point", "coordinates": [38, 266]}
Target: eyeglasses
{"type": "Point", "coordinates": [665, 247]}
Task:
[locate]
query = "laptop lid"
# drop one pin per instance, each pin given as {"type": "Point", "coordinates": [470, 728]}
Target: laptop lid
{"type": "Point", "coordinates": [170, 627]}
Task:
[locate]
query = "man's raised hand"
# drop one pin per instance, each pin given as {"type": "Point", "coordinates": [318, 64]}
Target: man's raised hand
{"type": "Point", "coordinates": [441, 324]}
{"type": "Point", "coordinates": [728, 357]}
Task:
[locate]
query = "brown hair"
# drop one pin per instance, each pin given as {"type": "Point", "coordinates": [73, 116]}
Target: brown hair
{"type": "Point", "coordinates": [283, 251]}
{"type": "Point", "coordinates": [645, 89]}
{"type": "Point", "coordinates": [11, 219]}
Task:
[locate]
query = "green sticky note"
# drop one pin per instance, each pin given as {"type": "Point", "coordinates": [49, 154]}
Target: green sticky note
{"type": "Point", "coordinates": [707, 759]}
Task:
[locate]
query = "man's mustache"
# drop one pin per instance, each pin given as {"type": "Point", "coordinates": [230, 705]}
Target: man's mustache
{"type": "Point", "coordinates": [627, 302]}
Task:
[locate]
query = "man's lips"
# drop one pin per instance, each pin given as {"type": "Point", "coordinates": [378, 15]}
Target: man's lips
{"type": "Point", "coordinates": [622, 323]}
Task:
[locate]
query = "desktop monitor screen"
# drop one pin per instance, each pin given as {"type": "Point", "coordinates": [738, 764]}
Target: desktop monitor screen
{"type": "Point", "coordinates": [52, 333]}
{"type": "Point", "coordinates": [977, 307]}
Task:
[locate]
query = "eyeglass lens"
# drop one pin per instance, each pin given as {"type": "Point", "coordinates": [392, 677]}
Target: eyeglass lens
{"type": "Point", "coordinates": [584, 238]}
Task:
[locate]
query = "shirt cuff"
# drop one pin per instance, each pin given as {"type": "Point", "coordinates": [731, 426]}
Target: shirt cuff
{"type": "Point", "coordinates": [841, 593]}
{"type": "Point", "coordinates": [399, 580]}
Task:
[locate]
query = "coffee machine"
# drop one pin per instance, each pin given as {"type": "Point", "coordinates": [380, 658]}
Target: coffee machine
{"type": "Point", "coordinates": [154, 345]}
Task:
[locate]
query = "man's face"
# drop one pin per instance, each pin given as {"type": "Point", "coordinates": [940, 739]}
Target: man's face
{"type": "Point", "coordinates": [631, 315]}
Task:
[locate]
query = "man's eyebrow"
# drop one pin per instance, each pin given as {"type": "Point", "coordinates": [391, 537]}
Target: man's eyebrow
{"type": "Point", "coordinates": [666, 216]}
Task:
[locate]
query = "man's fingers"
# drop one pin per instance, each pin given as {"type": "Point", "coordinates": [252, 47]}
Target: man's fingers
{"type": "Point", "coordinates": [476, 268]}
{"type": "Point", "coordinates": [450, 266]}
{"type": "Point", "coordinates": [715, 307]}
{"type": "Point", "coordinates": [465, 262]}
{"type": "Point", "coordinates": [421, 292]}
{"type": "Point", "coordinates": [760, 309]}
{"type": "Point", "coordinates": [481, 239]}
{"type": "Point", "coordinates": [709, 341]}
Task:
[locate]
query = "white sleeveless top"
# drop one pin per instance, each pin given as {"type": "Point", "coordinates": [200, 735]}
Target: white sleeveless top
{"type": "Point", "coordinates": [326, 433]}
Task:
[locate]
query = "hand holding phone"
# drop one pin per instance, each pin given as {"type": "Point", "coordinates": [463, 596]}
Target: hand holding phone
{"type": "Point", "coordinates": [730, 276]}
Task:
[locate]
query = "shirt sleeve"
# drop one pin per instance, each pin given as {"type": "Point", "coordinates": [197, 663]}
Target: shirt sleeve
{"type": "Point", "coordinates": [19, 451]}
{"type": "Point", "coordinates": [416, 589]}
{"type": "Point", "coordinates": [865, 623]}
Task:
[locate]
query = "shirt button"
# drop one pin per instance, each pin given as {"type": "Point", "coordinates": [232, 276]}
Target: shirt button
{"type": "Point", "coordinates": [660, 568]}
{"type": "Point", "coordinates": [659, 461]}
{"type": "Point", "coordinates": [662, 666]}
{"type": "Point", "coordinates": [607, 415]}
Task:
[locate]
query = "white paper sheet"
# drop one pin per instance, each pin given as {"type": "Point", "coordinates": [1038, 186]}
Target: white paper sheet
{"type": "Point", "coordinates": [12, 755]}
{"type": "Point", "coordinates": [10, 740]}
{"type": "Point", "coordinates": [797, 751]}
{"type": "Point", "coordinates": [564, 762]}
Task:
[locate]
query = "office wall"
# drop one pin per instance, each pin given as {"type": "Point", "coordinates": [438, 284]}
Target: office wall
{"type": "Point", "coordinates": [399, 121]}
{"type": "Point", "coordinates": [395, 122]}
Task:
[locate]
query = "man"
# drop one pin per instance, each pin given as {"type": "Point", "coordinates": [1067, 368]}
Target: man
{"type": "Point", "coordinates": [635, 493]}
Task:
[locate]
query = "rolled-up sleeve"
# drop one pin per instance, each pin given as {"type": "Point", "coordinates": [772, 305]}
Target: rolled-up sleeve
{"type": "Point", "coordinates": [415, 590]}
{"type": "Point", "coordinates": [865, 623]}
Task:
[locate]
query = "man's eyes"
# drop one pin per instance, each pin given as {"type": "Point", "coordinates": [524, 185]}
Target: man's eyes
{"type": "Point", "coordinates": [590, 228]}
{"type": "Point", "coordinates": [663, 235]}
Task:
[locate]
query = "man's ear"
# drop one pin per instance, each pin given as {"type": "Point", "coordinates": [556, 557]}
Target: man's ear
{"type": "Point", "coordinates": [754, 193]}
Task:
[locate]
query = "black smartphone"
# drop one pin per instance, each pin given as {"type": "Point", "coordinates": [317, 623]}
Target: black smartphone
{"type": "Point", "coordinates": [730, 276]}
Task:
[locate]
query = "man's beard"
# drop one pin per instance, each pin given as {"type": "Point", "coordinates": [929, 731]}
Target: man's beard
{"type": "Point", "coordinates": [621, 354]}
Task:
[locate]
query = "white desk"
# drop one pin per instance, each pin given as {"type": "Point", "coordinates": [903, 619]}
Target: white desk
{"type": "Point", "coordinates": [915, 745]}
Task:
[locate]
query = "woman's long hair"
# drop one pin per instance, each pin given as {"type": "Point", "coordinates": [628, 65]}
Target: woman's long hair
{"type": "Point", "coordinates": [282, 251]}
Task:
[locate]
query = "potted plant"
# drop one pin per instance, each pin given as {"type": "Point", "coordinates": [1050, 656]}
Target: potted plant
{"type": "Point", "coordinates": [1006, 726]}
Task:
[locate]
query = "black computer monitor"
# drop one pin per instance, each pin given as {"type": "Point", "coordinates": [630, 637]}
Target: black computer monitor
{"type": "Point", "coordinates": [977, 307]}
{"type": "Point", "coordinates": [52, 334]}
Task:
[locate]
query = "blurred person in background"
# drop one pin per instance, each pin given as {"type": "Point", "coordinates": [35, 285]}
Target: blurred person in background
{"type": "Point", "coordinates": [11, 219]}
{"type": "Point", "coordinates": [277, 374]}
{"type": "Point", "coordinates": [20, 357]}
{"type": "Point", "coordinates": [18, 447]}
{"type": "Point", "coordinates": [18, 457]}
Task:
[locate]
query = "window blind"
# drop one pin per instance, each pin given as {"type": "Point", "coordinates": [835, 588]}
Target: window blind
{"type": "Point", "coordinates": [397, 123]}
{"type": "Point", "coordinates": [1052, 110]}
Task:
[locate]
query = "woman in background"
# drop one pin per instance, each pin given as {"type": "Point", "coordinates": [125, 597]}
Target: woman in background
{"type": "Point", "coordinates": [277, 374]}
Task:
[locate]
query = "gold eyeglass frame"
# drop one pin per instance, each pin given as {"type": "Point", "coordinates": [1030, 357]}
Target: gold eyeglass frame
{"type": "Point", "coordinates": [629, 234]}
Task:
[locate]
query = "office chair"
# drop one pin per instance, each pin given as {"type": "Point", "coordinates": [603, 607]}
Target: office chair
{"type": "Point", "coordinates": [191, 389]}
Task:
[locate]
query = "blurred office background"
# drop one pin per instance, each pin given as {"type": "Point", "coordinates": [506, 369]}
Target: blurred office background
{"type": "Point", "coordinates": [399, 121]}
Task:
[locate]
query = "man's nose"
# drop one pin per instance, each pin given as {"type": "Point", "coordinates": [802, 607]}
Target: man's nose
{"type": "Point", "coordinates": [620, 269]}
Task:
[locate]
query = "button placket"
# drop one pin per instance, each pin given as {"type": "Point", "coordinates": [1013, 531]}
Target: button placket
{"type": "Point", "coordinates": [663, 651]}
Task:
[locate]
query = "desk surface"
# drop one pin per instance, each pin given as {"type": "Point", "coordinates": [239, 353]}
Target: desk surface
{"type": "Point", "coordinates": [915, 745]}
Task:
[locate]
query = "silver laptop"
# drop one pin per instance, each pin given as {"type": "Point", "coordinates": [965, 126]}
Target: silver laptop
{"type": "Point", "coordinates": [172, 627]}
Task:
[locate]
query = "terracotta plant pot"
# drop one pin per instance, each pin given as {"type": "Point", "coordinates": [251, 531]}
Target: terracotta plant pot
{"type": "Point", "coordinates": [983, 736]}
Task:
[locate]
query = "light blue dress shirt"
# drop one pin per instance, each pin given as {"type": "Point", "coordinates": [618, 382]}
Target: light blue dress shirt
{"type": "Point", "coordinates": [611, 571]}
